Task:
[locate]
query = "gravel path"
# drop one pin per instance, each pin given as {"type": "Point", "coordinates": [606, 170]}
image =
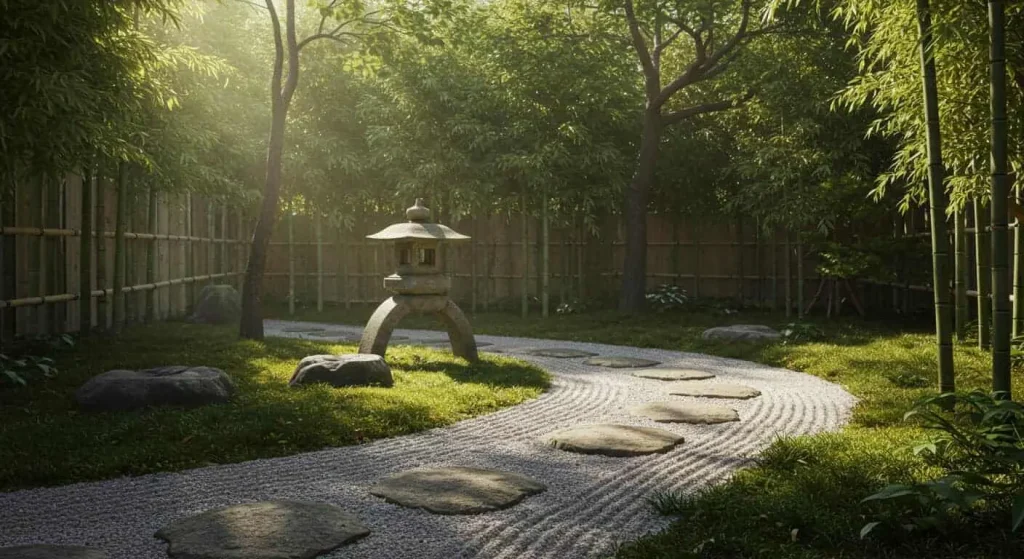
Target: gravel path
{"type": "Point", "coordinates": [592, 502]}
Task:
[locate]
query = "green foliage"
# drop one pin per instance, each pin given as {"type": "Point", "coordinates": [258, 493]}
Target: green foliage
{"type": "Point", "coordinates": [21, 370]}
{"type": "Point", "coordinates": [667, 297]}
{"type": "Point", "coordinates": [977, 444]}
{"type": "Point", "coordinates": [799, 332]}
{"type": "Point", "coordinates": [838, 260]}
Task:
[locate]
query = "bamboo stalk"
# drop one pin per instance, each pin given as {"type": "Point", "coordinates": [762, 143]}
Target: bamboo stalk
{"type": "Point", "coordinates": [472, 264]}
{"type": "Point", "coordinates": [674, 262]}
{"type": "Point", "coordinates": [984, 273]}
{"type": "Point", "coordinates": [697, 253]}
{"type": "Point", "coordinates": [775, 271]}
{"type": "Point", "coordinates": [222, 265]}
{"type": "Point", "coordinates": [961, 272]}
{"type": "Point", "coordinates": [211, 235]}
{"type": "Point", "coordinates": [581, 248]}
{"type": "Point", "coordinates": [7, 261]}
{"type": "Point", "coordinates": [42, 287]}
{"type": "Point", "coordinates": [344, 257]}
{"type": "Point", "coordinates": [319, 264]}
{"type": "Point", "coordinates": [1000, 190]}
{"type": "Point", "coordinates": [757, 263]}
{"type": "Point", "coordinates": [119, 245]}
{"type": "Point", "coordinates": [85, 256]}
{"type": "Point", "coordinates": [789, 275]}
{"type": "Point", "coordinates": [740, 263]}
{"type": "Point", "coordinates": [799, 275]}
{"type": "Point", "coordinates": [566, 273]}
{"type": "Point", "coordinates": [240, 247]}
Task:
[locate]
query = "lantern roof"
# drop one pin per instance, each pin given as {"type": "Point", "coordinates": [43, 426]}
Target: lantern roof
{"type": "Point", "coordinates": [418, 227]}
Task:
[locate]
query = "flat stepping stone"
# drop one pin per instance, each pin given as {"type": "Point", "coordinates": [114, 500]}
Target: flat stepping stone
{"type": "Point", "coordinates": [559, 352]}
{"type": "Point", "coordinates": [264, 530]}
{"type": "Point", "coordinates": [448, 342]}
{"type": "Point", "coordinates": [685, 412]}
{"type": "Point", "coordinates": [613, 440]}
{"type": "Point", "coordinates": [176, 385]}
{"type": "Point", "coordinates": [754, 333]}
{"type": "Point", "coordinates": [674, 374]}
{"type": "Point", "coordinates": [46, 551]}
{"type": "Point", "coordinates": [333, 334]}
{"type": "Point", "coordinates": [303, 329]}
{"type": "Point", "coordinates": [620, 362]}
{"type": "Point", "coordinates": [456, 490]}
{"type": "Point", "coordinates": [717, 390]}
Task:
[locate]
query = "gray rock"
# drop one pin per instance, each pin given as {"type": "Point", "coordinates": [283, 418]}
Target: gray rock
{"type": "Point", "coordinates": [264, 530]}
{"type": "Point", "coordinates": [121, 390]}
{"type": "Point", "coordinates": [620, 362]}
{"type": "Point", "coordinates": [558, 352]}
{"type": "Point", "coordinates": [673, 374]}
{"type": "Point", "coordinates": [613, 440]}
{"type": "Point", "coordinates": [717, 390]}
{"type": "Point", "coordinates": [303, 329]}
{"type": "Point", "coordinates": [456, 490]}
{"type": "Point", "coordinates": [351, 369]}
{"type": "Point", "coordinates": [217, 304]}
{"type": "Point", "coordinates": [683, 412]}
{"type": "Point", "coordinates": [46, 551]}
{"type": "Point", "coordinates": [742, 333]}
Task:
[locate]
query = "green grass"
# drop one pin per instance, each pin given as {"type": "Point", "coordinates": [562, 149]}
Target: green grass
{"type": "Point", "coordinates": [802, 499]}
{"type": "Point", "coordinates": [45, 440]}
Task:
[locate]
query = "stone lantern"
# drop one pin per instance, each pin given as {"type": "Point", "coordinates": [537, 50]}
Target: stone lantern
{"type": "Point", "coordinates": [419, 284]}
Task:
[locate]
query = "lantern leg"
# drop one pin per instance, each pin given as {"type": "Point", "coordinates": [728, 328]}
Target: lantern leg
{"type": "Point", "coordinates": [459, 332]}
{"type": "Point", "coordinates": [382, 323]}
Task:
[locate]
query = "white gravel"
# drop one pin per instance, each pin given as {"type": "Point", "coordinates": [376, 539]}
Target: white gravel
{"type": "Point", "coordinates": [592, 502]}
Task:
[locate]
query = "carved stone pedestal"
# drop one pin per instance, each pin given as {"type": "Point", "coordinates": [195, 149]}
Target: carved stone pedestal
{"type": "Point", "coordinates": [387, 316]}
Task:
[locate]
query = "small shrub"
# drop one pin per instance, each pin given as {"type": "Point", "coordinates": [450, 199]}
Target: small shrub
{"type": "Point", "coordinates": [979, 448]}
{"type": "Point", "coordinates": [667, 298]}
{"type": "Point", "coordinates": [21, 370]}
{"type": "Point", "coordinates": [801, 332]}
{"type": "Point", "coordinates": [575, 306]}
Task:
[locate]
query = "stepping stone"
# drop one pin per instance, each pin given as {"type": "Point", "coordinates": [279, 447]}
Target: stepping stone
{"type": "Point", "coordinates": [456, 490]}
{"type": "Point", "coordinates": [45, 551]}
{"type": "Point", "coordinates": [742, 333]}
{"type": "Point", "coordinates": [446, 342]}
{"type": "Point", "coordinates": [674, 374]}
{"type": "Point", "coordinates": [684, 412]}
{"type": "Point", "coordinates": [559, 352]}
{"type": "Point", "coordinates": [264, 530]}
{"type": "Point", "coordinates": [122, 390]}
{"type": "Point", "coordinates": [333, 334]}
{"type": "Point", "coordinates": [303, 329]}
{"type": "Point", "coordinates": [351, 369]}
{"type": "Point", "coordinates": [613, 440]}
{"type": "Point", "coordinates": [620, 362]}
{"type": "Point", "coordinates": [717, 390]}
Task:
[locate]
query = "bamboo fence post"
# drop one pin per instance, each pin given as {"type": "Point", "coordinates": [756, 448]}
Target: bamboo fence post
{"type": "Point", "coordinates": [102, 308]}
{"type": "Point", "coordinates": [961, 272]}
{"type": "Point", "coordinates": [85, 257]}
{"type": "Point", "coordinates": [545, 270]}
{"type": "Point", "coordinates": [563, 286]}
{"type": "Point", "coordinates": [8, 261]}
{"type": "Point", "coordinates": [758, 263]}
{"type": "Point", "coordinates": [675, 249]}
{"type": "Point", "coordinates": [982, 257]}
{"type": "Point", "coordinates": [1018, 273]}
{"type": "Point", "coordinates": [581, 248]}
{"type": "Point", "coordinates": [740, 262]}
{"type": "Point", "coordinates": [696, 257]}
{"type": "Point", "coordinates": [472, 263]}
{"type": "Point", "coordinates": [189, 249]}
{"type": "Point", "coordinates": [799, 275]}
{"type": "Point", "coordinates": [41, 313]}
{"type": "Point", "coordinates": [343, 256]}
{"type": "Point", "coordinates": [210, 247]}
{"type": "Point", "coordinates": [222, 266]}
{"type": "Point", "coordinates": [789, 274]}
{"type": "Point", "coordinates": [319, 264]}
{"type": "Point", "coordinates": [525, 285]}
{"type": "Point", "coordinates": [291, 261]}
{"type": "Point", "coordinates": [119, 246]}
{"type": "Point", "coordinates": [151, 255]}
{"type": "Point", "coordinates": [775, 270]}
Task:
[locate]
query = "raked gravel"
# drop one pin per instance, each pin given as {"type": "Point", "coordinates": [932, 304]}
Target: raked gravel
{"type": "Point", "coordinates": [591, 504]}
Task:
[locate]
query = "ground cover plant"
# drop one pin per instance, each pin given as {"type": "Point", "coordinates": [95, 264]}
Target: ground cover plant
{"type": "Point", "coordinates": [802, 498]}
{"type": "Point", "coordinates": [45, 440]}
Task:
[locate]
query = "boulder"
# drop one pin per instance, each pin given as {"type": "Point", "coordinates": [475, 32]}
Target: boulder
{"type": "Point", "coordinates": [742, 333]}
{"type": "Point", "coordinates": [351, 369]}
{"type": "Point", "coordinates": [264, 530]}
{"type": "Point", "coordinates": [46, 551]}
{"type": "Point", "coordinates": [613, 440]}
{"type": "Point", "coordinates": [456, 490]}
{"type": "Point", "coordinates": [122, 390]}
{"type": "Point", "coordinates": [217, 304]}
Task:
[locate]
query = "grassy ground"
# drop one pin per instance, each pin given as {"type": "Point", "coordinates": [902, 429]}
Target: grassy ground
{"type": "Point", "coordinates": [44, 440]}
{"type": "Point", "coordinates": [802, 500]}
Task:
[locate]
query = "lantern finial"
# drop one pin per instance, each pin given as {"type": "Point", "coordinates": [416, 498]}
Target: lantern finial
{"type": "Point", "coordinates": [418, 213]}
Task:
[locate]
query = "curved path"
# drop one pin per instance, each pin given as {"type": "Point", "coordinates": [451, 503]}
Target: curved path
{"type": "Point", "coordinates": [591, 504]}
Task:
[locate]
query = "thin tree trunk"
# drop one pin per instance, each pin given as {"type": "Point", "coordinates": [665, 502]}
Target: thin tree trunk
{"type": "Point", "coordinates": [937, 203]}
{"type": "Point", "coordinates": [982, 257]}
{"type": "Point", "coordinates": [634, 265]}
{"type": "Point", "coordinates": [1000, 192]}
{"type": "Point", "coordinates": [961, 273]}
{"type": "Point", "coordinates": [85, 258]}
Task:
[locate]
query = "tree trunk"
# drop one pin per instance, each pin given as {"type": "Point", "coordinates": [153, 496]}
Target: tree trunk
{"type": "Point", "coordinates": [634, 265]}
{"type": "Point", "coordinates": [251, 323]}
{"type": "Point", "coordinates": [982, 256]}
{"type": "Point", "coordinates": [937, 203]}
{"type": "Point", "coordinates": [1000, 191]}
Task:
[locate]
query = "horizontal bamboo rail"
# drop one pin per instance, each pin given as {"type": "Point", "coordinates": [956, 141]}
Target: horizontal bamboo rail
{"type": "Point", "coordinates": [46, 232]}
{"type": "Point", "coordinates": [65, 297]}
